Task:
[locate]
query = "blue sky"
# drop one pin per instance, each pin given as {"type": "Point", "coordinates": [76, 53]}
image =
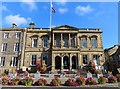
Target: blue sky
{"type": "Point", "coordinates": [102, 15]}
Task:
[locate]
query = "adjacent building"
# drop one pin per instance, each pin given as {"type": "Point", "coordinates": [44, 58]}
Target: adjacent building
{"type": "Point", "coordinates": [62, 48]}
{"type": "Point", "coordinates": [112, 57]}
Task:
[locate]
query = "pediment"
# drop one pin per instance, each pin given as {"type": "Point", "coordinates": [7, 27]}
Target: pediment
{"type": "Point", "coordinates": [65, 27]}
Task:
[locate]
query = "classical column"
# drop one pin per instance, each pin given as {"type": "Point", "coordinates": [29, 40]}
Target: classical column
{"type": "Point", "coordinates": [53, 61]}
{"type": "Point", "coordinates": [75, 42]}
{"type": "Point", "coordinates": [69, 41]}
{"type": "Point", "coordinates": [78, 43]}
{"type": "Point", "coordinates": [62, 62]}
{"type": "Point", "coordinates": [53, 41]}
{"type": "Point", "coordinates": [23, 44]}
{"type": "Point", "coordinates": [61, 40]}
{"type": "Point", "coordinates": [88, 42]}
{"type": "Point", "coordinates": [70, 62]}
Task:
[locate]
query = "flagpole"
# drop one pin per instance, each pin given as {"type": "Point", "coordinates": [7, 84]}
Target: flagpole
{"type": "Point", "coordinates": [50, 14]}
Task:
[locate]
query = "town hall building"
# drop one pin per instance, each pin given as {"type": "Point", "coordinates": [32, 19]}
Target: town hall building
{"type": "Point", "coordinates": [62, 48]}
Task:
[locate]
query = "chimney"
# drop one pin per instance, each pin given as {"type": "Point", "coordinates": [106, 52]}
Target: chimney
{"type": "Point", "coordinates": [14, 25]}
{"type": "Point", "coordinates": [32, 25]}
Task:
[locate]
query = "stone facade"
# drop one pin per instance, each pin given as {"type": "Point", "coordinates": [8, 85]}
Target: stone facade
{"type": "Point", "coordinates": [63, 48]}
{"type": "Point", "coordinates": [112, 57]}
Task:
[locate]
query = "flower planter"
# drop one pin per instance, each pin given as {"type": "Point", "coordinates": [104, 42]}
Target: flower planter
{"type": "Point", "coordinates": [89, 75]}
{"type": "Point", "coordinates": [62, 76]}
{"type": "Point", "coordinates": [36, 75]}
{"type": "Point", "coordinates": [51, 75]}
{"type": "Point", "coordinates": [99, 75]}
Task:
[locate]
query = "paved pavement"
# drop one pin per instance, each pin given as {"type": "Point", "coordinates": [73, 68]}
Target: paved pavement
{"type": "Point", "coordinates": [105, 86]}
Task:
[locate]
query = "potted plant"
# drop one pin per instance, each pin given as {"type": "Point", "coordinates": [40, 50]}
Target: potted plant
{"type": "Point", "coordinates": [55, 82]}
{"type": "Point", "coordinates": [80, 81]}
{"type": "Point", "coordinates": [102, 80]}
{"type": "Point", "coordinates": [40, 82]}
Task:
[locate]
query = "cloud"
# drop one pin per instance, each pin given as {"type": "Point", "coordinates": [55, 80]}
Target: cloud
{"type": "Point", "coordinates": [62, 2]}
{"type": "Point", "coordinates": [63, 10]}
{"type": "Point", "coordinates": [17, 19]}
{"type": "Point", "coordinates": [82, 10]}
{"type": "Point", "coordinates": [3, 8]}
{"type": "Point", "coordinates": [28, 5]}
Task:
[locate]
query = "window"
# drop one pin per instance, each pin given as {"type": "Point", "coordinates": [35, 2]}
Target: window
{"type": "Point", "coordinates": [17, 34]}
{"type": "Point", "coordinates": [45, 57]}
{"type": "Point", "coordinates": [45, 42]}
{"type": "Point", "coordinates": [33, 61]}
{"type": "Point", "coordinates": [6, 35]}
{"type": "Point", "coordinates": [17, 47]}
{"type": "Point", "coordinates": [13, 62]}
{"type": "Point", "coordinates": [57, 41]}
{"type": "Point", "coordinates": [2, 61]}
{"type": "Point", "coordinates": [35, 42]}
{"type": "Point", "coordinates": [96, 59]}
{"type": "Point", "coordinates": [84, 43]}
{"type": "Point", "coordinates": [65, 40]}
{"type": "Point", "coordinates": [94, 43]}
{"type": "Point", "coordinates": [4, 47]}
{"type": "Point", "coordinates": [72, 42]}
{"type": "Point", "coordinates": [85, 59]}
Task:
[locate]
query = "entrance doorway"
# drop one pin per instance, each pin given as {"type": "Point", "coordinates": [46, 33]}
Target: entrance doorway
{"type": "Point", "coordinates": [57, 62]}
{"type": "Point", "coordinates": [74, 62]}
{"type": "Point", "coordinates": [66, 62]}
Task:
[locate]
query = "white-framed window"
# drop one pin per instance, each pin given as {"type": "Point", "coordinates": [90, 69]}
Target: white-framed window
{"type": "Point", "coordinates": [6, 35]}
{"type": "Point", "coordinates": [85, 59]}
{"type": "Point", "coordinates": [93, 42]}
{"type": "Point", "coordinates": [45, 42]}
{"type": "Point", "coordinates": [35, 42]}
{"type": "Point", "coordinates": [17, 34]}
{"type": "Point", "coordinates": [13, 62]}
{"type": "Point", "coordinates": [2, 61]}
{"type": "Point", "coordinates": [16, 47]}
{"type": "Point", "coordinates": [4, 47]}
{"type": "Point", "coordinates": [84, 43]}
{"type": "Point", "coordinates": [33, 60]}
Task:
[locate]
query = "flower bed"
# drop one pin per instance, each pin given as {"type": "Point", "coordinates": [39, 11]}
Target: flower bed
{"type": "Point", "coordinates": [70, 82]}
{"type": "Point", "coordinates": [80, 81]}
{"type": "Point", "coordinates": [40, 82]}
{"type": "Point", "coordinates": [90, 81]}
{"type": "Point", "coordinates": [102, 80]}
{"type": "Point", "coordinates": [28, 81]}
{"type": "Point", "coordinates": [55, 82]}
{"type": "Point", "coordinates": [112, 79]}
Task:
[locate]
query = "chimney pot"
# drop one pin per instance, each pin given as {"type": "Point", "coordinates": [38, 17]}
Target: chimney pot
{"type": "Point", "coordinates": [14, 25]}
{"type": "Point", "coordinates": [32, 25]}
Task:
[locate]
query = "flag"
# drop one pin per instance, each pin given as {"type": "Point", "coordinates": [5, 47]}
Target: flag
{"type": "Point", "coordinates": [53, 10]}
